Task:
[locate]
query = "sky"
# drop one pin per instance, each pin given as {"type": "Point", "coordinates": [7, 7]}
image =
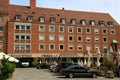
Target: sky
{"type": "Point", "coordinates": [105, 6]}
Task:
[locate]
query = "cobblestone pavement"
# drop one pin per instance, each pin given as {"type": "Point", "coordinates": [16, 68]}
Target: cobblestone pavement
{"type": "Point", "coordinates": [44, 74]}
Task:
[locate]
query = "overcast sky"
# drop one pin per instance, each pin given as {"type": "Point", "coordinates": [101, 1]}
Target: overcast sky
{"type": "Point", "coordinates": [106, 6]}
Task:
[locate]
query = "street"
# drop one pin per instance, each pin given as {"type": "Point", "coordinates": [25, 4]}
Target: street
{"type": "Point", "coordinates": [44, 74]}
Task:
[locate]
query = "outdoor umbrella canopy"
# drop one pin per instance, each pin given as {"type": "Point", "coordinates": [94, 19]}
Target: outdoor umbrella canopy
{"type": "Point", "coordinates": [98, 57]}
{"type": "Point", "coordinates": [11, 59]}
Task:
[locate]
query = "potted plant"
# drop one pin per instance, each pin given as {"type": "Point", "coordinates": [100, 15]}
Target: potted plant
{"type": "Point", "coordinates": [110, 74]}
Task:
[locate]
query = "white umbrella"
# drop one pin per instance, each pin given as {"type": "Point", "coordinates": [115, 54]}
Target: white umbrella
{"type": "Point", "coordinates": [111, 49]}
{"type": "Point", "coordinates": [11, 59]}
{"type": "Point", "coordinates": [81, 63]}
{"type": "Point", "coordinates": [98, 57]}
{"type": "Point", "coordinates": [85, 63]}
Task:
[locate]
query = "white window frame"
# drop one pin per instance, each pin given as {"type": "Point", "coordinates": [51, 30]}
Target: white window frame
{"type": "Point", "coordinates": [70, 45]}
{"type": "Point", "coordinates": [103, 31]}
{"type": "Point", "coordinates": [62, 28]}
{"type": "Point", "coordinates": [40, 29]}
{"type": "Point", "coordinates": [50, 46]}
{"type": "Point", "coordinates": [106, 39]}
{"type": "Point", "coordinates": [51, 37]}
{"type": "Point", "coordinates": [96, 31]}
{"type": "Point", "coordinates": [59, 47]}
{"type": "Point", "coordinates": [42, 37]}
{"type": "Point", "coordinates": [81, 47]}
{"type": "Point", "coordinates": [42, 19]}
{"type": "Point", "coordinates": [63, 21]}
{"type": "Point", "coordinates": [88, 39]}
{"type": "Point", "coordinates": [89, 30]}
{"type": "Point", "coordinates": [61, 37]}
{"type": "Point", "coordinates": [42, 45]}
{"type": "Point", "coordinates": [78, 38]}
{"type": "Point", "coordinates": [50, 30]}
{"type": "Point", "coordinates": [78, 31]}
{"type": "Point", "coordinates": [70, 29]}
{"type": "Point", "coordinates": [69, 38]}
{"type": "Point", "coordinates": [97, 39]}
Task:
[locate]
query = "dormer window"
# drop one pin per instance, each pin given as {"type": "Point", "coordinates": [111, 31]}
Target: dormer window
{"type": "Point", "coordinates": [18, 17]}
{"type": "Point", "coordinates": [52, 20]}
{"type": "Point", "coordinates": [30, 18]}
{"type": "Point", "coordinates": [63, 21]}
{"type": "Point", "coordinates": [92, 22]}
{"type": "Point", "coordinates": [73, 21]}
{"type": "Point", "coordinates": [101, 23]}
{"type": "Point", "coordinates": [83, 22]}
{"type": "Point", "coordinates": [110, 23]}
{"type": "Point", "coordinates": [42, 19]}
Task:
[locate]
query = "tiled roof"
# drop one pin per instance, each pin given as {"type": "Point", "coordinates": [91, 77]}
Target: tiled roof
{"type": "Point", "coordinates": [25, 11]}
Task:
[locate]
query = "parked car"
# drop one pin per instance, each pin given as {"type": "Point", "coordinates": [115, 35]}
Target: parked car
{"type": "Point", "coordinates": [43, 66]}
{"type": "Point", "coordinates": [64, 65]}
{"type": "Point", "coordinates": [78, 71]}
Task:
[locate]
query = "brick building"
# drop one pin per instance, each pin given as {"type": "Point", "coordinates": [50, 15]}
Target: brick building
{"type": "Point", "coordinates": [28, 32]}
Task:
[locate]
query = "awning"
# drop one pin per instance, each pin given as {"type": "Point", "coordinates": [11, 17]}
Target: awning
{"type": "Point", "coordinates": [114, 41]}
{"type": "Point", "coordinates": [68, 55]}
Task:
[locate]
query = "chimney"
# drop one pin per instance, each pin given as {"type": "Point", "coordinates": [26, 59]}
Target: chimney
{"type": "Point", "coordinates": [32, 4]}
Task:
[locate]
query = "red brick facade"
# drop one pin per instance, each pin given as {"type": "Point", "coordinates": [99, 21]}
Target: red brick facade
{"type": "Point", "coordinates": [22, 31]}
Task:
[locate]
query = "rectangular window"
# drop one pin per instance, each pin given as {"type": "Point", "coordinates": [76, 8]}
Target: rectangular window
{"type": "Point", "coordinates": [17, 27]}
{"type": "Point", "coordinates": [17, 17]}
{"type": "Point", "coordinates": [41, 37]}
{"type": "Point", "coordinates": [16, 47]}
{"type": "Point", "coordinates": [70, 29]}
{"type": "Point", "coordinates": [70, 47]}
{"type": "Point", "coordinates": [73, 21]}
{"type": "Point", "coordinates": [70, 38]}
{"type": "Point", "coordinates": [30, 18]}
{"type": "Point", "coordinates": [27, 47]}
{"type": "Point", "coordinates": [63, 21]}
{"type": "Point", "coordinates": [22, 27]}
{"type": "Point", "coordinates": [79, 38]}
{"type": "Point", "coordinates": [96, 31]}
{"type": "Point", "coordinates": [51, 29]}
{"type": "Point", "coordinates": [1, 18]}
{"type": "Point", "coordinates": [1, 29]}
{"type": "Point", "coordinates": [79, 30]}
{"type": "Point", "coordinates": [27, 37]}
{"type": "Point", "coordinates": [27, 27]}
{"type": "Point", "coordinates": [22, 37]}
{"type": "Point", "coordinates": [42, 19]}
{"type": "Point", "coordinates": [51, 37]}
{"type": "Point", "coordinates": [104, 31]}
{"type": "Point", "coordinates": [42, 28]}
{"type": "Point", "coordinates": [88, 30]}
{"type": "Point", "coordinates": [88, 39]}
{"type": "Point", "coordinates": [61, 29]}
{"type": "Point", "coordinates": [17, 37]}
{"type": "Point", "coordinates": [105, 39]}
{"type": "Point", "coordinates": [42, 47]}
{"type": "Point", "coordinates": [61, 37]}
{"type": "Point", "coordinates": [22, 47]}
{"type": "Point", "coordinates": [61, 47]}
{"type": "Point", "coordinates": [83, 22]}
{"type": "Point", "coordinates": [52, 20]}
{"type": "Point", "coordinates": [96, 39]}
{"type": "Point", "coordinates": [79, 47]}
{"type": "Point", "coordinates": [1, 39]}
{"type": "Point", "coordinates": [52, 47]}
